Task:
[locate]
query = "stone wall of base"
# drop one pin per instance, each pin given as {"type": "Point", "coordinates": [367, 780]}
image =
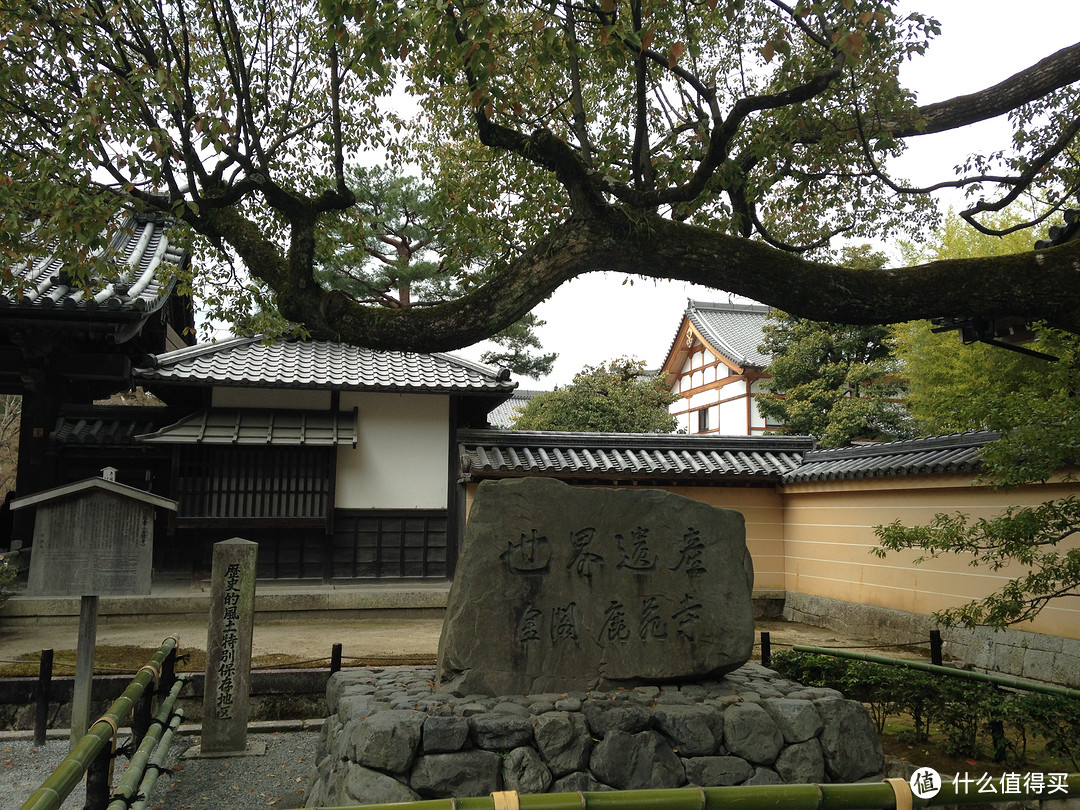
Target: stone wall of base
{"type": "Point", "coordinates": [1050, 659]}
{"type": "Point", "coordinates": [390, 737]}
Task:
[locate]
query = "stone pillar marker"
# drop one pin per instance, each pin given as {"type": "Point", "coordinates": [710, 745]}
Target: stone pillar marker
{"type": "Point", "coordinates": [228, 651]}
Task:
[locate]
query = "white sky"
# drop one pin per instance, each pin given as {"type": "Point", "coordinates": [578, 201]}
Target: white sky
{"type": "Point", "coordinates": [596, 318]}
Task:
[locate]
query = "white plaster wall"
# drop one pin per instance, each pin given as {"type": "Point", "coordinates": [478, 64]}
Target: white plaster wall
{"type": "Point", "coordinates": [682, 421]}
{"type": "Point", "coordinates": [732, 421]}
{"type": "Point", "coordinates": [289, 399]}
{"type": "Point", "coordinates": [400, 460]}
{"type": "Point", "coordinates": [756, 419]}
{"type": "Point", "coordinates": [700, 399]}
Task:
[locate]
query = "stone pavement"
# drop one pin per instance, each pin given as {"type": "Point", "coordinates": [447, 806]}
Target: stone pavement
{"type": "Point", "coordinates": [301, 622]}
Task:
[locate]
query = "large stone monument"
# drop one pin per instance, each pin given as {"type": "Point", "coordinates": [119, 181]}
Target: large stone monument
{"type": "Point", "coordinates": [563, 588]}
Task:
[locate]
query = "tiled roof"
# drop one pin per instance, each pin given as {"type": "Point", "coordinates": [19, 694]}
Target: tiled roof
{"type": "Point", "coordinates": [139, 248]}
{"type": "Point", "coordinates": [109, 425]}
{"type": "Point", "coordinates": [308, 428]}
{"type": "Point", "coordinates": [940, 454]}
{"type": "Point", "coordinates": [778, 459]}
{"type": "Point", "coordinates": [504, 414]}
{"type": "Point", "coordinates": [734, 330]}
{"type": "Point", "coordinates": [322, 364]}
{"type": "Point", "coordinates": [487, 453]}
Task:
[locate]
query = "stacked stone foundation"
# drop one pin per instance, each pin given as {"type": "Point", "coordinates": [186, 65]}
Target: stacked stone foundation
{"type": "Point", "coordinates": [391, 737]}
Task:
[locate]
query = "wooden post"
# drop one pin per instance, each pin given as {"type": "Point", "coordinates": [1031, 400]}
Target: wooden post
{"type": "Point", "coordinates": [335, 658]}
{"type": "Point", "coordinates": [766, 649]}
{"type": "Point", "coordinates": [44, 693]}
{"type": "Point", "coordinates": [84, 669]}
{"type": "Point", "coordinates": [99, 779]}
{"type": "Point", "coordinates": [935, 647]}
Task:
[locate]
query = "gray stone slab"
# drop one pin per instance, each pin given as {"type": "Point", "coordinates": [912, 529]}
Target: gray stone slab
{"type": "Point", "coordinates": [561, 588]}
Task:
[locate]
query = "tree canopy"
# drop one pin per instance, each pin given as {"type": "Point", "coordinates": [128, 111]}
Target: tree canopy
{"type": "Point", "coordinates": [1032, 402]}
{"type": "Point", "coordinates": [616, 397]}
{"type": "Point", "coordinates": [720, 141]}
{"type": "Point", "coordinates": [833, 381]}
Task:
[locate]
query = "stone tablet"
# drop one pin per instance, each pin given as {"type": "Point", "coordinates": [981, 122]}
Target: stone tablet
{"type": "Point", "coordinates": [561, 588]}
{"type": "Point", "coordinates": [92, 543]}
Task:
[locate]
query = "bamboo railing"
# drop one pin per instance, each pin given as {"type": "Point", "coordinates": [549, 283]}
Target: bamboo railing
{"type": "Point", "coordinates": [890, 795]}
{"type": "Point", "coordinates": [100, 738]}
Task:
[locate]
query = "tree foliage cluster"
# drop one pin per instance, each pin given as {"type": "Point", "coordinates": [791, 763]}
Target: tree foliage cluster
{"type": "Point", "coordinates": [1032, 402]}
{"type": "Point", "coordinates": [720, 142]}
{"type": "Point", "coordinates": [616, 397]}
{"type": "Point", "coordinates": [835, 382]}
{"type": "Point", "coordinates": [949, 387]}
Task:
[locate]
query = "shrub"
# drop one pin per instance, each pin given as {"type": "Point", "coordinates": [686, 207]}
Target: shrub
{"type": "Point", "coordinates": [968, 713]}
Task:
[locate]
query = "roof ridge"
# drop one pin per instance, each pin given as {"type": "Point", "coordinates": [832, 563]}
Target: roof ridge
{"type": "Point", "coordinates": [729, 306]}
{"type": "Point", "coordinates": [970, 438]}
{"type": "Point", "coordinates": [516, 437]}
{"type": "Point", "coordinates": [202, 349]}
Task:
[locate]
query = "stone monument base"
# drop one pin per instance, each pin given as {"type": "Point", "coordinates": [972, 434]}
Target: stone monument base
{"type": "Point", "coordinates": [392, 738]}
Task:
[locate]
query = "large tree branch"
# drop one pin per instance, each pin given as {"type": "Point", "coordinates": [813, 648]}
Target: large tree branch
{"type": "Point", "coordinates": [1043, 78]}
{"type": "Point", "coordinates": [1040, 285]}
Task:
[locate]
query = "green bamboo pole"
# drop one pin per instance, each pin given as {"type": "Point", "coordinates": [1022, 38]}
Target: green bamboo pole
{"type": "Point", "coordinates": [157, 761]}
{"type": "Point", "coordinates": [858, 796]}
{"type": "Point", "coordinates": [136, 768]}
{"type": "Point", "coordinates": [985, 677]}
{"type": "Point", "coordinates": [70, 772]}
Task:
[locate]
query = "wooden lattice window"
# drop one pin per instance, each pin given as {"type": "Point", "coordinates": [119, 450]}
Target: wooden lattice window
{"type": "Point", "coordinates": [253, 485]}
{"type": "Point", "coordinates": [375, 544]}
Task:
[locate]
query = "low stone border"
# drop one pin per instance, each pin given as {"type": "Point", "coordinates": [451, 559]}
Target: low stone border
{"type": "Point", "coordinates": [1036, 656]}
{"type": "Point", "coordinates": [390, 737]}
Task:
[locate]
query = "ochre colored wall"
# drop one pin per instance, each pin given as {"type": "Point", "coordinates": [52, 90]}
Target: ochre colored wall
{"type": "Point", "coordinates": [829, 534]}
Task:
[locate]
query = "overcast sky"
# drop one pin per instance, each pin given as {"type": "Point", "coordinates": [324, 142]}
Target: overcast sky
{"type": "Point", "coordinates": [598, 317]}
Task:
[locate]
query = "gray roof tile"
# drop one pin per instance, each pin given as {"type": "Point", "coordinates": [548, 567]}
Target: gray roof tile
{"type": "Point", "coordinates": [959, 452]}
{"type": "Point", "coordinates": [236, 427]}
{"type": "Point", "coordinates": [139, 248]}
{"type": "Point", "coordinates": [787, 459]}
{"type": "Point", "coordinates": [504, 414]}
{"type": "Point", "coordinates": [105, 425]}
{"type": "Point", "coordinates": [322, 364]}
{"type": "Point", "coordinates": [734, 330]}
{"type": "Point", "coordinates": [497, 453]}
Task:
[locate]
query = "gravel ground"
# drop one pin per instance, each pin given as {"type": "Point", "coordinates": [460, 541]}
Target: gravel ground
{"type": "Point", "coordinates": [279, 778]}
